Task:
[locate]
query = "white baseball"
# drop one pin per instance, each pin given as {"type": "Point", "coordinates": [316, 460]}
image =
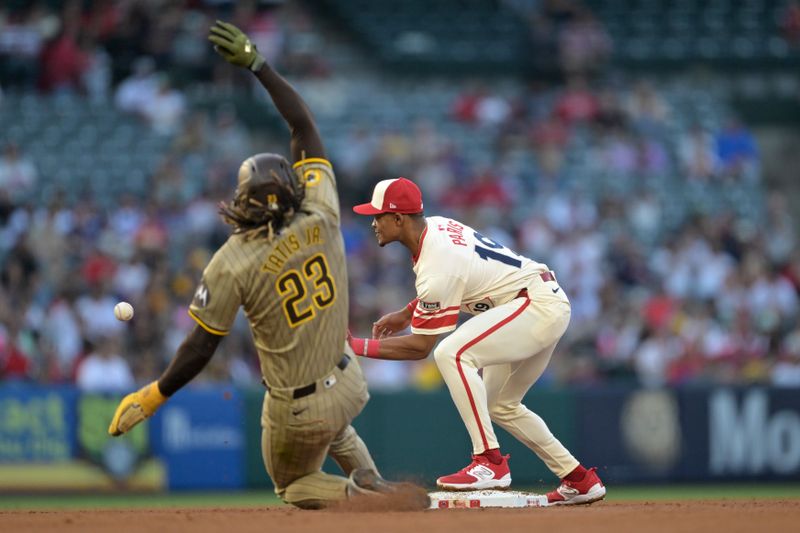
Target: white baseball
{"type": "Point", "coordinates": [123, 311]}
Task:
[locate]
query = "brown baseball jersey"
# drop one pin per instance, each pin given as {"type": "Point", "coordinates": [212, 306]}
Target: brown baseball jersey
{"type": "Point", "coordinates": [293, 288]}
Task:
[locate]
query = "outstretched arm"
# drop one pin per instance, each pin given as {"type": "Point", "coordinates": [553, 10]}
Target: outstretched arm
{"type": "Point", "coordinates": [305, 139]}
{"type": "Point", "coordinates": [403, 348]}
{"type": "Point", "coordinates": [192, 356]}
{"type": "Point", "coordinates": [235, 47]}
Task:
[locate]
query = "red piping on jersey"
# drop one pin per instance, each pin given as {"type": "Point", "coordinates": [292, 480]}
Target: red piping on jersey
{"type": "Point", "coordinates": [434, 322]}
{"type": "Point", "coordinates": [469, 345]}
{"type": "Point", "coordinates": [419, 249]}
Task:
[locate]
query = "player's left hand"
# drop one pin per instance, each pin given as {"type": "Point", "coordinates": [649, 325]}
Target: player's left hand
{"type": "Point", "coordinates": [235, 47]}
{"type": "Point", "coordinates": [391, 323]}
{"type": "Point", "coordinates": [135, 407]}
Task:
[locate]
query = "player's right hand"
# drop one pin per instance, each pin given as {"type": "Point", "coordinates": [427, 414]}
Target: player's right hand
{"type": "Point", "coordinates": [390, 324]}
{"type": "Point", "coordinates": [235, 47]}
{"type": "Point", "coordinates": [135, 407]}
{"type": "Point", "coordinates": [363, 347]}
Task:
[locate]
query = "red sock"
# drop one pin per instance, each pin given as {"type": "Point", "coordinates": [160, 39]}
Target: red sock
{"type": "Point", "coordinates": [577, 474]}
{"type": "Point", "coordinates": [493, 455]}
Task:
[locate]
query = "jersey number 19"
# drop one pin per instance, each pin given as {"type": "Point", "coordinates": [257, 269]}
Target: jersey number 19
{"type": "Point", "coordinates": [495, 251]}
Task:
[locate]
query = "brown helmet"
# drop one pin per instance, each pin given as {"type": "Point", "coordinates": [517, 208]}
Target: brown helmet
{"type": "Point", "coordinates": [267, 196]}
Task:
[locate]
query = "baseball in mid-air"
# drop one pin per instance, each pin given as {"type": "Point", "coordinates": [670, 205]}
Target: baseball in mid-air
{"type": "Point", "coordinates": [123, 311]}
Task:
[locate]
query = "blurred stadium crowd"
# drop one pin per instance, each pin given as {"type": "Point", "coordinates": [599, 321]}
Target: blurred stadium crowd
{"type": "Point", "coordinates": [645, 198]}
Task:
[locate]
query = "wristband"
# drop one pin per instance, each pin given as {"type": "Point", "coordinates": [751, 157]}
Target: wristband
{"type": "Point", "coordinates": [412, 305]}
{"type": "Point", "coordinates": [258, 62]}
{"type": "Point", "coordinates": [365, 347]}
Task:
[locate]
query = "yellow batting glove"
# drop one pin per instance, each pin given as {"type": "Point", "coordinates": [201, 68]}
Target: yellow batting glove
{"type": "Point", "coordinates": [135, 407]}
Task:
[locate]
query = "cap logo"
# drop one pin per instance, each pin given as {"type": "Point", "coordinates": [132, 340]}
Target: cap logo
{"type": "Point", "coordinates": [392, 206]}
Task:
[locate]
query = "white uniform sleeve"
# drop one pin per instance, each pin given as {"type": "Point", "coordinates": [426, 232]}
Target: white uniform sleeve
{"type": "Point", "coordinates": [438, 302]}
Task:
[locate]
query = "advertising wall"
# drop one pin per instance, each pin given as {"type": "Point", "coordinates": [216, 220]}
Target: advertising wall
{"type": "Point", "coordinates": [56, 438]}
{"type": "Point", "coordinates": [199, 434]}
{"type": "Point", "coordinates": [37, 424]}
{"type": "Point", "coordinates": [705, 434]}
{"type": "Point", "coordinates": [209, 437]}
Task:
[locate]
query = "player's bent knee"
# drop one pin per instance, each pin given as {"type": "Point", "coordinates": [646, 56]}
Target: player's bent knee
{"type": "Point", "coordinates": [505, 412]}
{"type": "Point", "coordinates": [307, 501]}
{"type": "Point", "coordinates": [446, 352]}
{"type": "Point", "coordinates": [443, 355]}
{"type": "Point", "coordinates": [310, 505]}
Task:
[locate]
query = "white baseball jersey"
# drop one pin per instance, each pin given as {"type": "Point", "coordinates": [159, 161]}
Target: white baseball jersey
{"type": "Point", "coordinates": [458, 269]}
{"type": "Point", "coordinates": [511, 337]}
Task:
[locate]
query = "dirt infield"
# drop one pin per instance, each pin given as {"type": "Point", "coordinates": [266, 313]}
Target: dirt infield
{"type": "Point", "coordinates": [673, 517]}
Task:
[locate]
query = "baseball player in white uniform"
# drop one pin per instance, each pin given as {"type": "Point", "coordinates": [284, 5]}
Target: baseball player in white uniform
{"type": "Point", "coordinates": [520, 313]}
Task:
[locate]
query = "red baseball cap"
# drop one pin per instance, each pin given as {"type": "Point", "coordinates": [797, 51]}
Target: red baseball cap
{"type": "Point", "coordinates": [397, 195]}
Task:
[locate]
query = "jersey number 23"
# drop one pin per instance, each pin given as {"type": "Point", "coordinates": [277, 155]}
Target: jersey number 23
{"type": "Point", "coordinates": [306, 290]}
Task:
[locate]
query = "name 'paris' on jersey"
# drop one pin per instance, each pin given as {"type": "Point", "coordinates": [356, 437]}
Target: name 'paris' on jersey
{"type": "Point", "coordinates": [459, 269]}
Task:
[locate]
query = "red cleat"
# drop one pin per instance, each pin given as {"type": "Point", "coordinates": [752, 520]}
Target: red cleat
{"type": "Point", "coordinates": [588, 490]}
{"type": "Point", "coordinates": [479, 475]}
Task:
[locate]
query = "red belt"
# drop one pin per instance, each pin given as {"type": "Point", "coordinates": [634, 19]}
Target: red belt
{"type": "Point", "coordinates": [546, 276]}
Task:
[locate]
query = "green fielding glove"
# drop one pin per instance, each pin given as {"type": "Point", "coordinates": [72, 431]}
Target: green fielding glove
{"type": "Point", "coordinates": [235, 47]}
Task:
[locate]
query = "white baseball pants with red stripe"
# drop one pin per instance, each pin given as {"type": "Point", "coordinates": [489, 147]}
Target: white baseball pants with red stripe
{"type": "Point", "coordinates": [512, 343]}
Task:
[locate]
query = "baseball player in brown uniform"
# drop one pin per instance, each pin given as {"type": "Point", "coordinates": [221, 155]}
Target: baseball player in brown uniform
{"type": "Point", "coordinates": [284, 264]}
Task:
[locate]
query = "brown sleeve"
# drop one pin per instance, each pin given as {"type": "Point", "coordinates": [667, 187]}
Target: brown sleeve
{"type": "Point", "coordinates": [217, 299]}
{"type": "Point", "coordinates": [192, 356]}
{"type": "Point", "coordinates": [305, 139]}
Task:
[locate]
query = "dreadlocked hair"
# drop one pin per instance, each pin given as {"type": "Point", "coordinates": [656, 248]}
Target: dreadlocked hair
{"type": "Point", "coordinates": [269, 224]}
{"type": "Point", "coordinates": [248, 215]}
{"type": "Point", "coordinates": [266, 200]}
